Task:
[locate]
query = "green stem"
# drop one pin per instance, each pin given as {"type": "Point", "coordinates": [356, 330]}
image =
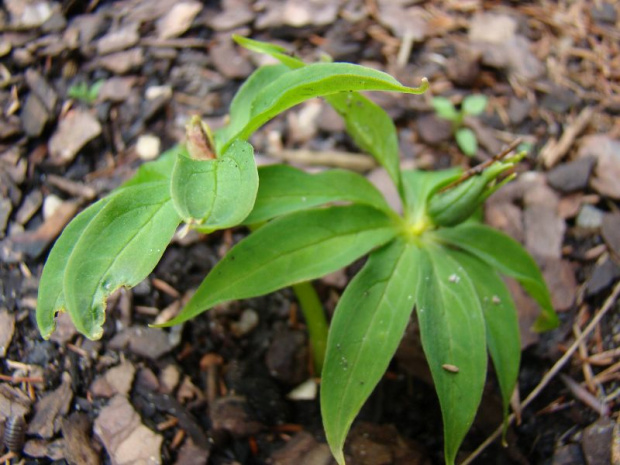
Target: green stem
{"type": "Point", "coordinates": [314, 315]}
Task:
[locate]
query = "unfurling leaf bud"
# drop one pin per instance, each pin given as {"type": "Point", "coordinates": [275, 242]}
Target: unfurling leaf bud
{"type": "Point", "coordinates": [199, 140]}
{"type": "Point", "coordinates": [456, 204]}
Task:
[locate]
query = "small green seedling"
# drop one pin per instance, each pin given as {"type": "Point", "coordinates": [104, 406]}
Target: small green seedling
{"type": "Point", "coordinates": [433, 258]}
{"type": "Point", "coordinates": [84, 92]}
{"type": "Point", "coordinates": [472, 105]}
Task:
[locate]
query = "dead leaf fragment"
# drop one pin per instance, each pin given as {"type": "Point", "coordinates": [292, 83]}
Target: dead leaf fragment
{"type": "Point", "coordinates": [51, 409]}
{"type": "Point", "coordinates": [78, 447]}
{"type": "Point", "coordinates": [124, 437]}
{"type": "Point", "coordinates": [77, 129]}
{"type": "Point", "coordinates": [117, 380]}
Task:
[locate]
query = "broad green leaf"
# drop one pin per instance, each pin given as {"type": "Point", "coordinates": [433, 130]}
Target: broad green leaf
{"type": "Point", "coordinates": [120, 246]}
{"type": "Point", "coordinates": [501, 320]}
{"type": "Point", "coordinates": [474, 104]}
{"type": "Point", "coordinates": [288, 250]}
{"type": "Point", "coordinates": [453, 337]}
{"type": "Point", "coordinates": [467, 142]}
{"type": "Point", "coordinates": [284, 189]}
{"type": "Point", "coordinates": [279, 53]}
{"type": "Point", "coordinates": [509, 258]}
{"type": "Point", "coordinates": [215, 194]}
{"type": "Point", "coordinates": [419, 186]}
{"type": "Point", "coordinates": [445, 108]}
{"type": "Point", "coordinates": [371, 128]}
{"type": "Point", "coordinates": [315, 80]}
{"type": "Point", "coordinates": [367, 327]}
{"type": "Point", "coordinates": [241, 105]}
{"type": "Point", "coordinates": [51, 297]}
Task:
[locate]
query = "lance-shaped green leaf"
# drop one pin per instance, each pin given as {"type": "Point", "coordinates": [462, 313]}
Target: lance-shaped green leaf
{"type": "Point", "coordinates": [218, 193]}
{"type": "Point", "coordinates": [371, 128]}
{"type": "Point", "coordinates": [315, 80]}
{"type": "Point", "coordinates": [120, 246]}
{"type": "Point", "coordinates": [288, 250]}
{"type": "Point", "coordinates": [241, 105]}
{"type": "Point", "coordinates": [284, 189]}
{"type": "Point", "coordinates": [279, 53]}
{"type": "Point", "coordinates": [367, 327]}
{"type": "Point", "coordinates": [51, 297]}
{"type": "Point", "coordinates": [367, 123]}
{"type": "Point", "coordinates": [501, 320]}
{"type": "Point", "coordinates": [509, 258]}
{"type": "Point", "coordinates": [453, 337]}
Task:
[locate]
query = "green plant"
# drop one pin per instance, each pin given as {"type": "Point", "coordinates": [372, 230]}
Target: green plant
{"type": "Point", "coordinates": [472, 105]}
{"type": "Point", "coordinates": [84, 92]}
{"type": "Point", "coordinates": [434, 257]}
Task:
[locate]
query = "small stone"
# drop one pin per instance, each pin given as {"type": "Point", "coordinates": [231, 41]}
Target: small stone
{"type": "Point", "coordinates": [178, 20]}
{"type": "Point", "coordinates": [155, 92]}
{"type": "Point", "coordinates": [305, 391]}
{"type": "Point", "coordinates": [560, 278]}
{"type": "Point", "coordinates": [34, 116]}
{"type": "Point", "coordinates": [596, 441]}
{"type": "Point", "coordinates": [51, 204]}
{"type": "Point", "coordinates": [573, 176]}
{"type": "Point", "coordinates": [74, 131]}
{"type": "Point", "coordinates": [589, 217]}
{"type": "Point", "coordinates": [169, 379]}
{"type": "Point", "coordinates": [191, 454]}
{"type": "Point", "coordinates": [28, 14]}
{"type": "Point", "coordinates": [117, 380]}
{"type": "Point", "coordinates": [148, 147]}
{"type": "Point", "coordinates": [247, 323]}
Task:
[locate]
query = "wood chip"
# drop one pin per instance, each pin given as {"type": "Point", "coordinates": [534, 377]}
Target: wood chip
{"type": "Point", "coordinates": [554, 150]}
{"type": "Point", "coordinates": [51, 409]}
{"type": "Point", "coordinates": [74, 131]}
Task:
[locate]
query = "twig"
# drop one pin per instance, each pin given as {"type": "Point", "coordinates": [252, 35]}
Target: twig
{"type": "Point", "coordinates": [482, 166]}
{"type": "Point", "coordinates": [554, 151]}
{"type": "Point", "coordinates": [551, 373]}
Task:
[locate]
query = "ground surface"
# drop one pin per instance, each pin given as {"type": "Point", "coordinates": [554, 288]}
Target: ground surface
{"type": "Point", "coordinates": [90, 89]}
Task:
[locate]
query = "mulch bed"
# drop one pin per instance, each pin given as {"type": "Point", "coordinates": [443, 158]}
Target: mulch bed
{"type": "Point", "coordinates": [90, 90]}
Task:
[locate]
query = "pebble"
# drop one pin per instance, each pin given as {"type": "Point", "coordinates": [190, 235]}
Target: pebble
{"type": "Point", "coordinates": [603, 276]}
{"type": "Point", "coordinates": [42, 89]}
{"type": "Point", "coordinates": [596, 441]}
{"type": "Point", "coordinates": [572, 176]}
{"type": "Point", "coordinates": [148, 147]}
{"type": "Point", "coordinates": [247, 323]}
{"type": "Point", "coordinates": [118, 40]}
{"type": "Point", "coordinates": [51, 204]}
{"type": "Point", "coordinates": [236, 13]}
{"type": "Point", "coordinates": [122, 62]}
{"type": "Point", "coordinates": [589, 217]}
